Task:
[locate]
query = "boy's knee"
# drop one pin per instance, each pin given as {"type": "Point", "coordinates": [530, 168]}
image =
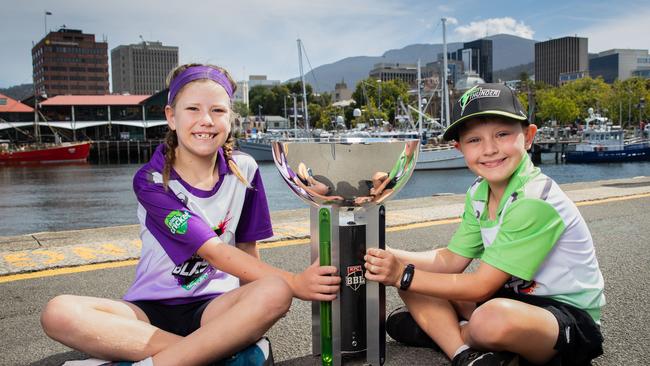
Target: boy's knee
{"type": "Point", "coordinates": [490, 325]}
{"type": "Point", "coordinates": [58, 315]}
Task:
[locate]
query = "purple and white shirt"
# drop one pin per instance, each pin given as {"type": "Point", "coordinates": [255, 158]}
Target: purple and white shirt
{"type": "Point", "coordinates": [175, 223]}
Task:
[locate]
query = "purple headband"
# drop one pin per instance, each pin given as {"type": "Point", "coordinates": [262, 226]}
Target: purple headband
{"type": "Point", "coordinates": [196, 73]}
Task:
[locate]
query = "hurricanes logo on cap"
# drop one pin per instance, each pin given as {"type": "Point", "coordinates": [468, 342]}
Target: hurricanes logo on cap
{"type": "Point", "coordinates": [476, 93]}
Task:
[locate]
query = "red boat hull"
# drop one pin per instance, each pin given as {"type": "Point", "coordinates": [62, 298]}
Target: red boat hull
{"type": "Point", "coordinates": [53, 154]}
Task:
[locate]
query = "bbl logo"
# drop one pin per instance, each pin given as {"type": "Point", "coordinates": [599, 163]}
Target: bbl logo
{"type": "Point", "coordinates": [354, 278]}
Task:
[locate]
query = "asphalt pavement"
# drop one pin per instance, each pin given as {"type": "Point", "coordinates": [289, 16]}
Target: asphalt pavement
{"type": "Point", "coordinates": [617, 213]}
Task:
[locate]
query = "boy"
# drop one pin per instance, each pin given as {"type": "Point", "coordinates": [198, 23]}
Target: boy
{"type": "Point", "coordinates": [537, 291]}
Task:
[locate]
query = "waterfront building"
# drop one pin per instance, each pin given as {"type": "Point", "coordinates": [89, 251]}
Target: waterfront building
{"type": "Point", "coordinates": [561, 55]}
{"type": "Point", "coordinates": [69, 61]}
{"type": "Point", "coordinates": [476, 57]}
{"type": "Point", "coordinates": [386, 71]}
{"type": "Point", "coordinates": [142, 68]}
{"type": "Point", "coordinates": [341, 92]}
{"type": "Point", "coordinates": [618, 64]}
{"type": "Point", "coordinates": [566, 77]}
{"type": "Point", "coordinates": [432, 70]}
{"type": "Point", "coordinates": [12, 110]}
{"type": "Point", "coordinates": [255, 80]}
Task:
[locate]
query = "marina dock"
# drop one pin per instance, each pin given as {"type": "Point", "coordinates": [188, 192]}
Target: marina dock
{"type": "Point", "coordinates": [101, 262]}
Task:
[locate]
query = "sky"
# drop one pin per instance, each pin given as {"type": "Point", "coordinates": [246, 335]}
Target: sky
{"type": "Point", "coordinates": [259, 37]}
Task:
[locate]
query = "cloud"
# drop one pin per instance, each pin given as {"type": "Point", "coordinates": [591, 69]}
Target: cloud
{"type": "Point", "coordinates": [481, 28]}
{"type": "Point", "coordinates": [626, 31]}
{"type": "Point", "coordinates": [452, 20]}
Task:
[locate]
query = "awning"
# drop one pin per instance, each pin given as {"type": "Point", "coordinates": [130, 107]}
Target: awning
{"type": "Point", "coordinates": [68, 125]}
{"type": "Point", "coordinates": [7, 125]}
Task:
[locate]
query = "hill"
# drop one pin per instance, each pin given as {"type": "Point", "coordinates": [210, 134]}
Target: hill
{"type": "Point", "coordinates": [508, 51]}
{"type": "Point", "coordinates": [18, 92]}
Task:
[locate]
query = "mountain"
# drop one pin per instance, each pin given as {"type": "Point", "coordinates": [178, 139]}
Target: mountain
{"type": "Point", "coordinates": [508, 51]}
{"type": "Point", "coordinates": [18, 92]}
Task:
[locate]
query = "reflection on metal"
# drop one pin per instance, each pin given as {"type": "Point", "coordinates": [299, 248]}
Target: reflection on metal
{"type": "Point", "coordinates": [346, 181]}
{"type": "Point", "coordinates": [346, 172]}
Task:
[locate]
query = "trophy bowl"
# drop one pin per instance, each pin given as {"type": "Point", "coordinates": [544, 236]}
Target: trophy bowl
{"type": "Point", "coordinates": [346, 172]}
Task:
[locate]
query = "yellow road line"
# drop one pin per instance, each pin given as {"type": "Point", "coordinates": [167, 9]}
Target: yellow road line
{"type": "Point", "coordinates": [67, 270]}
{"type": "Point", "coordinates": [277, 244]}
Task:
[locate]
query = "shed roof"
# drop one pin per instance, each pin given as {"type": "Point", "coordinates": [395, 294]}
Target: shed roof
{"type": "Point", "coordinates": [11, 105]}
{"type": "Point", "coordinates": [65, 100]}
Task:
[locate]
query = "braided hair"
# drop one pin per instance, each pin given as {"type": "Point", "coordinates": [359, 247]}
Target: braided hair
{"type": "Point", "coordinates": [171, 139]}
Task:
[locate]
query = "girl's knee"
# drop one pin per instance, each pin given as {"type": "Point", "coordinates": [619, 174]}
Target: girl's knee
{"type": "Point", "coordinates": [491, 324]}
{"type": "Point", "coordinates": [58, 315]}
{"type": "Point", "coordinates": [276, 295]}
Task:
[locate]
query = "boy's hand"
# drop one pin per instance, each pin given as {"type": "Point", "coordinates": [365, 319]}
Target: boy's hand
{"type": "Point", "coordinates": [316, 283]}
{"type": "Point", "coordinates": [383, 267]}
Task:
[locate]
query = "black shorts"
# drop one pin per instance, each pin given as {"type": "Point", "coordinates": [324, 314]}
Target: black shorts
{"type": "Point", "coordinates": [181, 319]}
{"type": "Point", "coordinates": [579, 340]}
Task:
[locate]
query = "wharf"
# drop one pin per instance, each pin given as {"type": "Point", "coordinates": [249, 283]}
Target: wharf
{"type": "Point", "coordinates": [100, 262]}
{"type": "Point", "coordinates": [49, 250]}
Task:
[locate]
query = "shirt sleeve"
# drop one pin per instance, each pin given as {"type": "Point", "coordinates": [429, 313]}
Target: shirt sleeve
{"type": "Point", "coordinates": [529, 230]}
{"type": "Point", "coordinates": [179, 231]}
{"type": "Point", "coordinates": [255, 220]}
{"type": "Point", "coordinates": [467, 240]}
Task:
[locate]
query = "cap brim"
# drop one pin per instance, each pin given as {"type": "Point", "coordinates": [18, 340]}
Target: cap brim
{"type": "Point", "coordinates": [451, 133]}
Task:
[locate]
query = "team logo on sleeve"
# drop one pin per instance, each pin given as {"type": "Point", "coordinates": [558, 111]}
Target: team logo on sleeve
{"type": "Point", "coordinates": [177, 220]}
{"type": "Point", "coordinates": [354, 277]}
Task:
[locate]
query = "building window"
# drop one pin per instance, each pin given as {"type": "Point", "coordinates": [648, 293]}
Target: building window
{"type": "Point", "coordinates": [3, 101]}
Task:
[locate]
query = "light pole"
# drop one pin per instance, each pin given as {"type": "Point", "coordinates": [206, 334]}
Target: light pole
{"type": "Point", "coordinates": [45, 21]}
{"type": "Point", "coordinates": [259, 114]}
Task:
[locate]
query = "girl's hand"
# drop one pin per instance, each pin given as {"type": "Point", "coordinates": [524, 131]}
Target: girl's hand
{"type": "Point", "coordinates": [382, 266]}
{"type": "Point", "coordinates": [316, 283]}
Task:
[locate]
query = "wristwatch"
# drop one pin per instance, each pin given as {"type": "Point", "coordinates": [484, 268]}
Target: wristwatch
{"type": "Point", "coordinates": [407, 277]}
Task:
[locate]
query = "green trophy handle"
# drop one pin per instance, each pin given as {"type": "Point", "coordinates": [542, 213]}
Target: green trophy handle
{"type": "Point", "coordinates": [325, 254]}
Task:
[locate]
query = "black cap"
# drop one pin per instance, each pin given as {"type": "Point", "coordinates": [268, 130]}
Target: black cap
{"type": "Point", "coordinates": [484, 100]}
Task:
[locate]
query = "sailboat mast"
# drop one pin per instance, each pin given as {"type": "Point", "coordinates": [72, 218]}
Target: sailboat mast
{"type": "Point", "coordinates": [419, 101]}
{"type": "Point", "coordinates": [304, 88]}
{"type": "Point", "coordinates": [444, 71]}
{"type": "Point", "coordinates": [37, 132]}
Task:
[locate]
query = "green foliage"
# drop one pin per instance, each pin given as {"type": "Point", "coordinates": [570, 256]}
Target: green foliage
{"type": "Point", "coordinates": [379, 99]}
{"type": "Point", "coordinates": [618, 101]}
{"type": "Point", "coordinates": [241, 108]}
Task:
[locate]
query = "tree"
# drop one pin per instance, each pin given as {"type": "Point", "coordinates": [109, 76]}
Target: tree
{"type": "Point", "coordinates": [241, 109]}
{"type": "Point", "coordinates": [553, 106]}
{"type": "Point", "coordinates": [376, 97]}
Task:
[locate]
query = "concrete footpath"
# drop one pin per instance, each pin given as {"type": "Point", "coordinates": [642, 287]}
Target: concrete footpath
{"type": "Point", "coordinates": [615, 210]}
{"type": "Point", "coordinates": [48, 250]}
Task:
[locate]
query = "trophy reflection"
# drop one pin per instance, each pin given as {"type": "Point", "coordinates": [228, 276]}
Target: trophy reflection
{"type": "Point", "coordinates": [346, 181]}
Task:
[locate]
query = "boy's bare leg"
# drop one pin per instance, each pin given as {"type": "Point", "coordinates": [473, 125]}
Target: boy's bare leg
{"type": "Point", "coordinates": [437, 317]}
{"type": "Point", "coordinates": [103, 328]}
{"type": "Point", "coordinates": [509, 325]}
{"type": "Point", "coordinates": [230, 323]}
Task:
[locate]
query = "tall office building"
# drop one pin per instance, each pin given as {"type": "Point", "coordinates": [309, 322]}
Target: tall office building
{"type": "Point", "coordinates": [618, 64]}
{"type": "Point", "coordinates": [142, 68]}
{"type": "Point", "coordinates": [566, 56]}
{"type": "Point", "coordinates": [70, 62]}
{"type": "Point", "coordinates": [476, 57]}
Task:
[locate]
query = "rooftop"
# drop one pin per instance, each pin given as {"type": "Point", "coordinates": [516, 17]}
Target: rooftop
{"type": "Point", "coordinates": [11, 105]}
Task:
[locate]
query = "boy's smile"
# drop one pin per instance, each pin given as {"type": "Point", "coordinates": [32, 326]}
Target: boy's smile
{"type": "Point", "coordinates": [493, 148]}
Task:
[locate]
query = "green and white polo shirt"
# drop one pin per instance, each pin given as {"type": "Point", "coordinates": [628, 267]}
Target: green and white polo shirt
{"type": "Point", "coordinates": [538, 236]}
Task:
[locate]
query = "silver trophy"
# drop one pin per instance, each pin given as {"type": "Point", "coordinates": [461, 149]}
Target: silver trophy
{"type": "Point", "coordinates": [346, 181]}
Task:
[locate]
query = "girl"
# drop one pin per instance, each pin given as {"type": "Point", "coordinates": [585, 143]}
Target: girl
{"type": "Point", "coordinates": [202, 208]}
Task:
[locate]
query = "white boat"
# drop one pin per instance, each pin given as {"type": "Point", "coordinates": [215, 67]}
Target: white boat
{"type": "Point", "coordinates": [440, 157]}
